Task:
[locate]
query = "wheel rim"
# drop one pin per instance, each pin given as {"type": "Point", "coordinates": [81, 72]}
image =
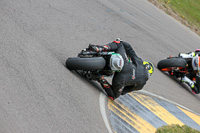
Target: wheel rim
{"type": "Point", "coordinates": [170, 68]}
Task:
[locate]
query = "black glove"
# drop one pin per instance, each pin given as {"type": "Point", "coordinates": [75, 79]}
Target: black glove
{"type": "Point", "coordinates": [95, 48]}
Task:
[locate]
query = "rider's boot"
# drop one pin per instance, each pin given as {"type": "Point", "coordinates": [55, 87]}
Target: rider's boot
{"type": "Point", "coordinates": [194, 90]}
{"type": "Point", "coordinates": [107, 87]}
{"type": "Point", "coordinates": [190, 83]}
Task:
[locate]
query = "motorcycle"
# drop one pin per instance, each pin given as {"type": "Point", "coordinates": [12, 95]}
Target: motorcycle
{"type": "Point", "coordinates": [178, 67]}
{"type": "Point", "coordinates": [89, 63]}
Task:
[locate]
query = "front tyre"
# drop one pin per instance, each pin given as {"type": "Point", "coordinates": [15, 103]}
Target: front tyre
{"type": "Point", "coordinates": [77, 63]}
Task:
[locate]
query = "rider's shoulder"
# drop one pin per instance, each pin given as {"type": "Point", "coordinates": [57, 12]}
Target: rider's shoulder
{"type": "Point", "coordinates": [118, 41]}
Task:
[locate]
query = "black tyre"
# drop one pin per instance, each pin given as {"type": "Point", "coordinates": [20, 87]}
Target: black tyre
{"type": "Point", "coordinates": [172, 62]}
{"type": "Point", "coordinates": [77, 63]}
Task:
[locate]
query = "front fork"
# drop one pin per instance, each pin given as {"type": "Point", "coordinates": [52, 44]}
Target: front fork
{"type": "Point", "coordinates": [88, 74]}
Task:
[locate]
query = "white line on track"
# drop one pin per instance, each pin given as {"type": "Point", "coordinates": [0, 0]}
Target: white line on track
{"type": "Point", "coordinates": [102, 101]}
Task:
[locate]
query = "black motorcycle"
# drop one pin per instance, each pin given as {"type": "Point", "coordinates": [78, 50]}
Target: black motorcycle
{"type": "Point", "coordinates": [89, 63]}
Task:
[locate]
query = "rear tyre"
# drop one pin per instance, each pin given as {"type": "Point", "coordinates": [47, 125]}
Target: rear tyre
{"type": "Point", "coordinates": [77, 63]}
{"type": "Point", "coordinates": [172, 62]}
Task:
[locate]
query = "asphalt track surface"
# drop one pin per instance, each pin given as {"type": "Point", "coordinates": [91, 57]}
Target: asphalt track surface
{"type": "Point", "coordinates": [37, 92]}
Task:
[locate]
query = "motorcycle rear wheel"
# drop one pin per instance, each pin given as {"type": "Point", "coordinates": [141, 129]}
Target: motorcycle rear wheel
{"type": "Point", "coordinates": [77, 63]}
{"type": "Point", "coordinates": [167, 64]}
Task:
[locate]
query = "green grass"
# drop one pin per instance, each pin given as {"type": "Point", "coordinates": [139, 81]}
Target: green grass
{"type": "Point", "coordinates": [187, 9]}
{"type": "Point", "coordinates": [176, 129]}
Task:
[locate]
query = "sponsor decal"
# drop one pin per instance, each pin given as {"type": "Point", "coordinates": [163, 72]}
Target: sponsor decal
{"type": "Point", "coordinates": [133, 76]}
{"type": "Point", "coordinates": [120, 63]}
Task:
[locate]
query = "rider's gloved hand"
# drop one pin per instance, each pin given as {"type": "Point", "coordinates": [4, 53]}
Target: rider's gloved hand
{"type": "Point", "coordinates": [95, 48]}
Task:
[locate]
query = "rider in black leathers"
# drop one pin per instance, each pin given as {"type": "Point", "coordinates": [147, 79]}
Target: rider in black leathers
{"type": "Point", "coordinates": [133, 75]}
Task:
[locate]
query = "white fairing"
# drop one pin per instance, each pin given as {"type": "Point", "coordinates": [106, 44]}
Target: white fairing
{"type": "Point", "coordinates": [195, 63]}
{"type": "Point", "coordinates": [185, 55]}
{"type": "Point", "coordinates": [116, 62]}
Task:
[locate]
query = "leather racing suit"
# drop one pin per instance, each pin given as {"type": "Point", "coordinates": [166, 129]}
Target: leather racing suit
{"type": "Point", "coordinates": [133, 75]}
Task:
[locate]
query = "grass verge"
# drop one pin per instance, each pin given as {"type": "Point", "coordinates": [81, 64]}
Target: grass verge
{"type": "Point", "coordinates": [185, 11]}
{"type": "Point", "coordinates": [176, 129]}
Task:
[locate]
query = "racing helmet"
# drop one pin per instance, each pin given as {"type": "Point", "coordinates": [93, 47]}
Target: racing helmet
{"type": "Point", "coordinates": [197, 50]}
{"type": "Point", "coordinates": [149, 67]}
{"type": "Point", "coordinates": [196, 63]}
{"type": "Point", "coordinates": [116, 62]}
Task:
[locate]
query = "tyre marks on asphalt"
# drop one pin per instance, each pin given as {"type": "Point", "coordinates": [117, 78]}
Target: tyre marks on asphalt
{"type": "Point", "coordinates": [136, 112]}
